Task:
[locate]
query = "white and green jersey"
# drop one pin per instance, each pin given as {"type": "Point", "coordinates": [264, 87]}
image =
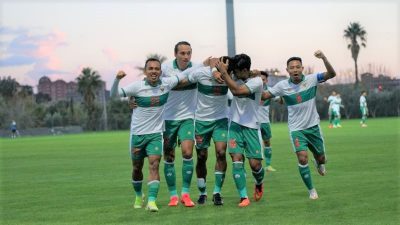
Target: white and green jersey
{"type": "Point", "coordinates": [212, 99]}
{"type": "Point", "coordinates": [331, 100]}
{"type": "Point", "coordinates": [181, 102]}
{"type": "Point", "coordinates": [244, 109]}
{"type": "Point", "coordinates": [336, 104]}
{"type": "Point", "coordinates": [147, 118]}
{"type": "Point", "coordinates": [363, 102]}
{"type": "Point", "coordinates": [300, 100]}
{"type": "Point", "coordinates": [263, 110]}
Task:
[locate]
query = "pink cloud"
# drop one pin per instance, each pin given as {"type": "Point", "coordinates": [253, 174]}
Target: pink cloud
{"type": "Point", "coordinates": [111, 54]}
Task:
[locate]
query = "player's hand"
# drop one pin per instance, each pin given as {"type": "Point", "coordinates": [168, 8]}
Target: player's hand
{"type": "Point", "coordinates": [121, 74]}
{"type": "Point", "coordinates": [254, 73]}
{"type": "Point", "coordinates": [319, 54]}
{"type": "Point", "coordinates": [213, 62]}
{"type": "Point", "coordinates": [206, 62]}
{"type": "Point", "coordinates": [132, 103]}
{"type": "Point", "coordinates": [222, 67]}
{"type": "Point", "coordinates": [218, 77]}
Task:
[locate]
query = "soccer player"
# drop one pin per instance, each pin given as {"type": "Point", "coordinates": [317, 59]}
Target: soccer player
{"type": "Point", "coordinates": [299, 93]}
{"type": "Point", "coordinates": [243, 136]}
{"type": "Point", "coordinates": [210, 122]}
{"type": "Point", "coordinates": [265, 126]}
{"type": "Point", "coordinates": [337, 104]}
{"type": "Point", "coordinates": [13, 128]}
{"type": "Point", "coordinates": [330, 100]}
{"type": "Point", "coordinates": [179, 123]}
{"type": "Point", "coordinates": [363, 109]}
{"type": "Point", "coordinates": [147, 126]}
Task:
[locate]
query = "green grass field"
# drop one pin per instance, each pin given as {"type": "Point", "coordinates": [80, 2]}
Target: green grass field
{"type": "Point", "coordinates": [85, 179]}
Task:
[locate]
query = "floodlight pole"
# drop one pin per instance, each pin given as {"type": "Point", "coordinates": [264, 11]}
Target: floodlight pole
{"type": "Point", "coordinates": [230, 26]}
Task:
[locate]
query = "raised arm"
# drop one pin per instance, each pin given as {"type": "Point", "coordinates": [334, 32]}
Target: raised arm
{"type": "Point", "coordinates": [115, 91]}
{"type": "Point", "coordinates": [330, 72]}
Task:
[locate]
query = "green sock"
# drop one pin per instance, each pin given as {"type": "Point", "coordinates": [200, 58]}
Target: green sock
{"type": "Point", "coordinates": [306, 176]}
{"type": "Point", "coordinates": [239, 178]}
{"type": "Point", "coordinates": [137, 186]}
{"type": "Point", "coordinates": [153, 185]}
{"type": "Point", "coordinates": [268, 155]}
{"type": "Point", "coordinates": [219, 181]}
{"type": "Point", "coordinates": [259, 175]}
{"type": "Point", "coordinates": [187, 173]}
{"type": "Point", "coordinates": [170, 177]}
{"type": "Point", "coordinates": [201, 185]}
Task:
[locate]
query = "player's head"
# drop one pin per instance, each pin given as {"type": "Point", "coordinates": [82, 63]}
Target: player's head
{"type": "Point", "coordinates": [241, 64]}
{"type": "Point", "coordinates": [294, 66]}
{"type": "Point", "coordinates": [364, 93]}
{"type": "Point", "coordinates": [264, 77]}
{"type": "Point", "coordinates": [333, 93]}
{"type": "Point", "coordinates": [183, 53]}
{"type": "Point", "coordinates": [152, 70]}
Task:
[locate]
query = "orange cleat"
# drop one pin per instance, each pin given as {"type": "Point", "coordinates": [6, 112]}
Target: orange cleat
{"type": "Point", "coordinates": [258, 191]}
{"type": "Point", "coordinates": [185, 199]}
{"type": "Point", "coordinates": [244, 202]}
{"type": "Point", "coordinates": [173, 201]}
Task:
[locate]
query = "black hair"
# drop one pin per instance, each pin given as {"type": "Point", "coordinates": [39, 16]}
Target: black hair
{"type": "Point", "coordinates": [181, 43]}
{"type": "Point", "coordinates": [151, 60]}
{"type": "Point", "coordinates": [264, 73]}
{"type": "Point", "coordinates": [231, 63]}
{"type": "Point", "coordinates": [293, 59]}
{"type": "Point", "coordinates": [241, 62]}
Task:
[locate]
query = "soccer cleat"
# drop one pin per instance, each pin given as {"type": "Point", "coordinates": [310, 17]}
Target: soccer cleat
{"type": "Point", "coordinates": [320, 168]}
{"type": "Point", "coordinates": [217, 199]}
{"type": "Point", "coordinates": [244, 202]}
{"type": "Point", "coordinates": [152, 207]}
{"type": "Point", "coordinates": [313, 194]}
{"type": "Point", "coordinates": [270, 169]}
{"type": "Point", "coordinates": [363, 125]}
{"type": "Point", "coordinates": [258, 191]}
{"type": "Point", "coordinates": [138, 202]}
{"type": "Point", "coordinates": [185, 199]}
{"type": "Point", "coordinates": [340, 126]}
{"type": "Point", "coordinates": [202, 199]}
{"type": "Point", "coordinates": [173, 201]}
{"type": "Point", "coordinates": [330, 126]}
{"type": "Point", "coordinates": [334, 126]}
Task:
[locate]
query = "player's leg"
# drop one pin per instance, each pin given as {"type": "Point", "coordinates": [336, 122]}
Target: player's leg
{"type": "Point", "coordinates": [266, 137]}
{"type": "Point", "coordinates": [220, 137]}
{"type": "Point", "coordinates": [186, 137]}
{"type": "Point", "coordinates": [138, 154]}
{"type": "Point", "coordinates": [300, 144]}
{"type": "Point", "coordinates": [235, 149]}
{"type": "Point", "coordinates": [170, 137]}
{"type": "Point", "coordinates": [317, 147]}
{"type": "Point", "coordinates": [154, 150]}
{"type": "Point", "coordinates": [255, 155]}
{"type": "Point", "coordinates": [202, 137]}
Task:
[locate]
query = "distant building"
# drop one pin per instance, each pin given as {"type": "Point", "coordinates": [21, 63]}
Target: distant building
{"type": "Point", "coordinates": [379, 83]}
{"type": "Point", "coordinates": [61, 90]}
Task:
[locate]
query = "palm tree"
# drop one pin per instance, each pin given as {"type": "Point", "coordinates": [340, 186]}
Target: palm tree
{"type": "Point", "coordinates": [355, 33]}
{"type": "Point", "coordinates": [88, 83]}
{"type": "Point", "coordinates": [153, 55]}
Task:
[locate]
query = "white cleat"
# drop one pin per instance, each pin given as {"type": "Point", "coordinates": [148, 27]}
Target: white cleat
{"type": "Point", "coordinates": [313, 194]}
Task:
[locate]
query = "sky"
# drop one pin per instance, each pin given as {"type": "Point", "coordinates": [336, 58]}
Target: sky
{"type": "Point", "coordinates": [59, 38]}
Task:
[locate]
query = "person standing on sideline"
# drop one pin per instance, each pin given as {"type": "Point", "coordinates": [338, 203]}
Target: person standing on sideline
{"type": "Point", "coordinates": [179, 124]}
{"type": "Point", "coordinates": [330, 100]}
{"type": "Point", "coordinates": [243, 135]}
{"type": "Point", "coordinates": [265, 126]}
{"type": "Point", "coordinates": [147, 126]}
{"type": "Point", "coordinates": [13, 128]}
{"type": "Point", "coordinates": [363, 109]}
{"type": "Point", "coordinates": [299, 93]}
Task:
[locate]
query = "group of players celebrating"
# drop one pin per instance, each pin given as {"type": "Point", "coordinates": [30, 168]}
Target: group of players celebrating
{"type": "Point", "coordinates": [186, 104]}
